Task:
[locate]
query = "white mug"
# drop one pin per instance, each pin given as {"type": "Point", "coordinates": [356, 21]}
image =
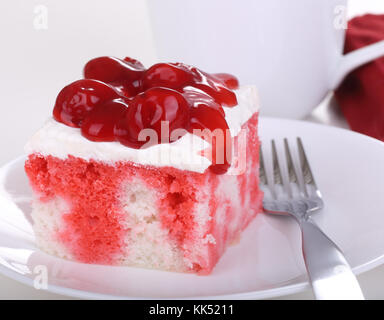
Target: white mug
{"type": "Point", "coordinates": [292, 50]}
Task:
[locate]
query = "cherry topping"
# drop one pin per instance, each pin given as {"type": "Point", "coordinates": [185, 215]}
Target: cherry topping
{"type": "Point", "coordinates": [134, 63]}
{"type": "Point", "coordinates": [205, 117]}
{"type": "Point", "coordinates": [167, 75]}
{"type": "Point", "coordinates": [197, 98]}
{"type": "Point", "coordinates": [180, 75]}
{"type": "Point", "coordinates": [100, 123]}
{"type": "Point", "coordinates": [147, 111]}
{"type": "Point", "coordinates": [124, 75]}
{"type": "Point", "coordinates": [215, 87]}
{"type": "Point", "coordinates": [76, 100]}
{"type": "Point", "coordinates": [120, 99]}
{"type": "Point", "coordinates": [229, 80]}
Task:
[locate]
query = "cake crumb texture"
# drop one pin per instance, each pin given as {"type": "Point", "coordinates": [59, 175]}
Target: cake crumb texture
{"type": "Point", "coordinates": [129, 214]}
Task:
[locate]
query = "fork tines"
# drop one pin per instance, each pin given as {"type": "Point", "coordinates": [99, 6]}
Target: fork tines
{"type": "Point", "coordinates": [290, 178]}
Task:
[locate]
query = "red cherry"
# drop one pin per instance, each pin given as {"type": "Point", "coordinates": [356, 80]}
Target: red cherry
{"type": "Point", "coordinates": [222, 95]}
{"type": "Point", "coordinates": [76, 100]}
{"type": "Point", "coordinates": [185, 96]}
{"type": "Point", "coordinates": [229, 80]}
{"type": "Point", "coordinates": [124, 75]}
{"type": "Point", "coordinates": [134, 63]}
{"type": "Point", "coordinates": [167, 75]}
{"type": "Point", "coordinates": [196, 98]}
{"type": "Point", "coordinates": [214, 87]}
{"type": "Point", "coordinates": [147, 110]}
{"type": "Point", "coordinates": [100, 123]}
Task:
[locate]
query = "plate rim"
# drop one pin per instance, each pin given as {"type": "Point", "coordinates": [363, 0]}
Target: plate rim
{"type": "Point", "coordinates": [259, 294]}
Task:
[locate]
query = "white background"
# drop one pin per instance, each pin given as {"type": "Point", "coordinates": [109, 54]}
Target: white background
{"type": "Point", "coordinates": [36, 64]}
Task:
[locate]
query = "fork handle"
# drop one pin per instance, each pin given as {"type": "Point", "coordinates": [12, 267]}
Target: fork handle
{"type": "Point", "coordinates": [329, 272]}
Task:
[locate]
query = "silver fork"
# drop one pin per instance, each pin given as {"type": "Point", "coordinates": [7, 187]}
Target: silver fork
{"type": "Point", "coordinates": [294, 192]}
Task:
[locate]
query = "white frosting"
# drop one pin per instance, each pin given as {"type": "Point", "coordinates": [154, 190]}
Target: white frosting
{"type": "Point", "coordinates": [59, 140]}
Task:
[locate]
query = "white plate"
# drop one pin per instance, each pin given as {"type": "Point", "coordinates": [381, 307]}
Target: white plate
{"type": "Point", "coordinates": [266, 263]}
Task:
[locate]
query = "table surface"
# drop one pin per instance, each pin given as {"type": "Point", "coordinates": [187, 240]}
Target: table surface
{"type": "Point", "coordinates": [47, 77]}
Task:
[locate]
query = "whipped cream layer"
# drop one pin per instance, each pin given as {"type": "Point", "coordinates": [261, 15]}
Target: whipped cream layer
{"type": "Point", "coordinates": [58, 140]}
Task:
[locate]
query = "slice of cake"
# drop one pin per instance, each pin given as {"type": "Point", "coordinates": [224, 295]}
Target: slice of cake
{"type": "Point", "coordinates": [155, 168]}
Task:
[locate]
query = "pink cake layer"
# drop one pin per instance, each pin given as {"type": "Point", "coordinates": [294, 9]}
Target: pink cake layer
{"type": "Point", "coordinates": [128, 214]}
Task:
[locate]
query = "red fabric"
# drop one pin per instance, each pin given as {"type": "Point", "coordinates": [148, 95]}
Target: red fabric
{"type": "Point", "coordinates": [361, 95]}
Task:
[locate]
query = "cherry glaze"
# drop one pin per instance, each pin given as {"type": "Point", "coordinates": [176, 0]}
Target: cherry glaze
{"type": "Point", "coordinates": [78, 99]}
{"type": "Point", "coordinates": [124, 75]}
{"type": "Point", "coordinates": [229, 80]}
{"type": "Point", "coordinates": [147, 110]}
{"type": "Point", "coordinates": [101, 122]}
{"type": "Point", "coordinates": [204, 117]}
{"type": "Point", "coordinates": [119, 98]}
